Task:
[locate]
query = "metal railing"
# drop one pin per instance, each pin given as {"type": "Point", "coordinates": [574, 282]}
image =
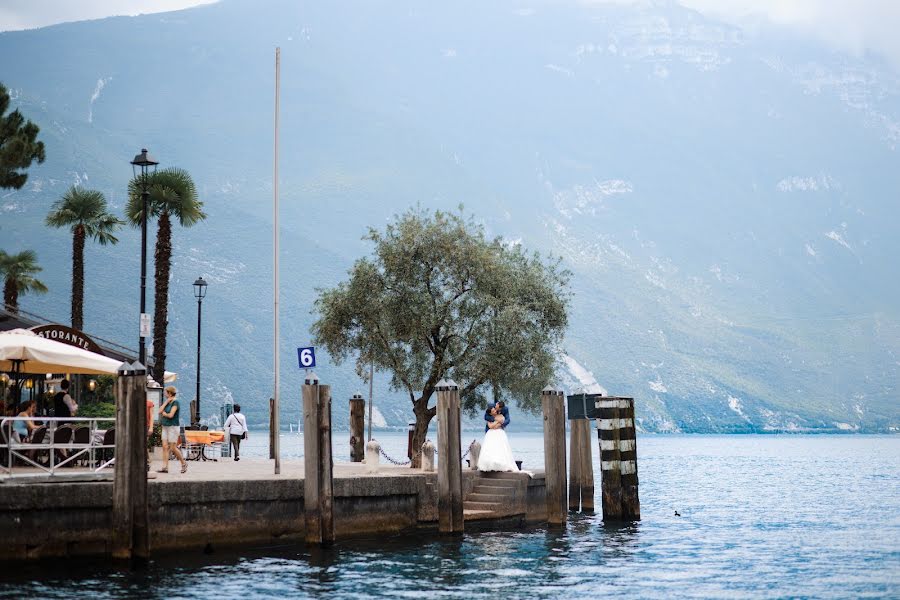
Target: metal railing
{"type": "Point", "coordinates": [41, 451]}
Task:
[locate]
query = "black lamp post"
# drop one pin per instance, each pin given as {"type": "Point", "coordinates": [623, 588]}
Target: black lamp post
{"type": "Point", "coordinates": [199, 294]}
{"type": "Point", "coordinates": [142, 164]}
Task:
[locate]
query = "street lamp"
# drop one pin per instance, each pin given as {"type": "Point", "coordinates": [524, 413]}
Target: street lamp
{"type": "Point", "coordinates": [199, 294]}
{"type": "Point", "coordinates": [142, 164]}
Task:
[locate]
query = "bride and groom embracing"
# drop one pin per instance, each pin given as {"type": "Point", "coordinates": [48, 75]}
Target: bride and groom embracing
{"type": "Point", "coordinates": [496, 453]}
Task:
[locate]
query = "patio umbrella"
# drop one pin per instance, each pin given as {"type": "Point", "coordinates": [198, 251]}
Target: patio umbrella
{"type": "Point", "coordinates": [23, 351]}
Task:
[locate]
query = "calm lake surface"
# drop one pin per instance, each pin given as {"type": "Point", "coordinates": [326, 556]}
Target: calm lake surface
{"type": "Point", "coordinates": [761, 517]}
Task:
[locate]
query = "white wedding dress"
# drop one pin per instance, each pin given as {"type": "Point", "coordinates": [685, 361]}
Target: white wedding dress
{"type": "Point", "coordinates": [496, 454]}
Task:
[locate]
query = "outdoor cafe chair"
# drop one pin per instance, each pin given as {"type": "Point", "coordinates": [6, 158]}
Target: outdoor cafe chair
{"type": "Point", "coordinates": [83, 436]}
{"type": "Point", "coordinates": [109, 439]}
{"type": "Point", "coordinates": [62, 435]}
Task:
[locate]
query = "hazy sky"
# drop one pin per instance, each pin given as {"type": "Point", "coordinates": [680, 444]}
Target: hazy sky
{"type": "Point", "coordinates": [852, 25]}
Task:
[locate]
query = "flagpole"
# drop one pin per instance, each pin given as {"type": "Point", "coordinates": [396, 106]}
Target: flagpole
{"type": "Point", "coordinates": [276, 404]}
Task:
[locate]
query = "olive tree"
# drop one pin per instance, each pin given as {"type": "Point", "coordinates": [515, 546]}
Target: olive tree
{"type": "Point", "coordinates": [437, 299]}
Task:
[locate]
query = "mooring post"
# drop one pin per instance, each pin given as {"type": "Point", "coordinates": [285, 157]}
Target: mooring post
{"type": "Point", "coordinates": [272, 431]}
{"type": "Point", "coordinates": [581, 469]}
{"type": "Point", "coordinates": [326, 465]}
{"type": "Point", "coordinates": [317, 462]}
{"type": "Point", "coordinates": [450, 501]}
{"type": "Point", "coordinates": [474, 453]}
{"type": "Point", "coordinates": [618, 459]}
{"type": "Point", "coordinates": [428, 456]}
{"type": "Point", "coordinates": [555, 454]}
{"type": "Point", "coordinates": [574, 466]}
{"type": "Point", "coordinates": [631, 504]}
{"type": "Point", "coordinates": [357, 427]}
{"type": "Point", "coordinates": [130, 526]}
{"type": "Point", "coordinates": [373, 456]}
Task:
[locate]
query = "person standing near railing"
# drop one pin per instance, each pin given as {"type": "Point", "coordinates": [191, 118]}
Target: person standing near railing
{"type": "Point", "coordinates": [170, 419]}
{"type": "Point", "coordinates": [236, 426]}
{"type": "Point", "coordinates": [63, 404]}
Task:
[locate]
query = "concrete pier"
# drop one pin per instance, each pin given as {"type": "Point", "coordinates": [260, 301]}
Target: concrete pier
{"type": "Point", "coordinates": [242, 503]}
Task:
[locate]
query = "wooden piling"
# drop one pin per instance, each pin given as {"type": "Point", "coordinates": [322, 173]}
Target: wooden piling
{"type": "Point", "coordinates": [631, 504]}
{"type": "Point", "coordinates": [318, 496]}
{"type": "Point", "coordinates": [130, 524]}
{"type": "Point", "coordinates": [618, 459]}
{"type": "Point", "coordinates": [555, 455]}
{"type": "Point", "coordinates": [581, 469]}
{"type": "Point", "coordinates": [357, 428]}
{"type": "Point", "coordinates": [450, 500]}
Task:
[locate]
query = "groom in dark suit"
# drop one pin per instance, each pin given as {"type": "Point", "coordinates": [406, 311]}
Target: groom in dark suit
{"type": "Point", "coordinates": [501, 410]}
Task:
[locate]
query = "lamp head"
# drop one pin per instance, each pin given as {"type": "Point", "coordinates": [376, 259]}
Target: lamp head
{"type": "Point", "coordinates": [200, 289]}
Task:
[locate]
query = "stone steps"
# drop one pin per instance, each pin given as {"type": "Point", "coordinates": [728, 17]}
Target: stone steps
{"type": "Point", "coordinates": [492, 497]}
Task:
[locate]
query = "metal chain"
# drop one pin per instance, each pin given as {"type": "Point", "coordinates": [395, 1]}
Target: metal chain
{"type": "Point", "coordinates": [416, 455]}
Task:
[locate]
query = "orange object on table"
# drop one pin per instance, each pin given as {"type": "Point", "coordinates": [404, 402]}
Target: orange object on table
{"type": "Point", "coordinates": [204, 437]}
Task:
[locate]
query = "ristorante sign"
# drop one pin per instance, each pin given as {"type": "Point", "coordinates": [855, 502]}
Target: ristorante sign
{"type": "Point", "coordinates": [67, 335]}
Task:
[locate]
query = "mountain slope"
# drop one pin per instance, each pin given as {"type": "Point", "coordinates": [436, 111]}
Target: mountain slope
{"type": "Point", "coordinates": [727, 204]}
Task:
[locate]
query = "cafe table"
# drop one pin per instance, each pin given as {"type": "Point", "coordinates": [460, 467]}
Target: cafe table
{"type": "Point", "coordinates": [197, 442]}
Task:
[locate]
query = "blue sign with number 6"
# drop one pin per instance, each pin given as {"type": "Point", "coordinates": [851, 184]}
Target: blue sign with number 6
{"type": "Point", "coordinates": [307, 357]}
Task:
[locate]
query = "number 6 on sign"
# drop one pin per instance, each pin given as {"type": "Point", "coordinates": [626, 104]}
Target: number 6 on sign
{"type": "Point", "coordinates": [307, 357]}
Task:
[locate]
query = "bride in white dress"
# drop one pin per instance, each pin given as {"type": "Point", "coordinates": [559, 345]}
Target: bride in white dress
{"type": "Point", "coordinates": [496, 454]}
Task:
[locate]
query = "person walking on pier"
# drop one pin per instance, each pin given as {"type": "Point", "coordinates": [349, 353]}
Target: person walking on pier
{"type": "Point", "coordinates": [170, 419]}
{"type": "Point", "coordinates": [236, 426]}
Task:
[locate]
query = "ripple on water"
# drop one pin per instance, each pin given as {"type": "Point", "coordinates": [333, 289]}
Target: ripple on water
{"type": "Point", "coordinates": [762, 517]}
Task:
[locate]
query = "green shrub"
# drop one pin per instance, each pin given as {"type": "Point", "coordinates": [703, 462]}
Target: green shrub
{"type": "Point", "coordinates": [97, 409]}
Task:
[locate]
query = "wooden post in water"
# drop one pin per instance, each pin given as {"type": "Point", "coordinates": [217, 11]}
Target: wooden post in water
{"type": "Point", "coordinates": [631, 504]}
{"type": "Point", "coordinates": [450, 500]}
{"type": "Point", "coordinates": [581, 469]}
{"type": "Point", "coordinates": [272, 431]}
{"type": "Point", "coordinates": [555, 454]}
{"type": "Point", "coordinates": [618, 459]}
{"type": "Point", "coordinates": [318, 496]}
{"type": "Point", "coordinates": [130, 526]}
{"type": "Point", "coordinates": [575, 433]}
{"type": "Point", "coordinates": [357, 428]}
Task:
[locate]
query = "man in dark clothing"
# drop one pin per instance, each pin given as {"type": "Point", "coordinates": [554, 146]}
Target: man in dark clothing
{"type": "Point", "coordinates": [63, 404]}
{"type": "Point", "coordinates": [501, 409]}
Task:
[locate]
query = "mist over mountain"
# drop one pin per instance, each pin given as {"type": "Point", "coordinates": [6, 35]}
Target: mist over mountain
{"type": "Point", "coordinates": [728, 203]}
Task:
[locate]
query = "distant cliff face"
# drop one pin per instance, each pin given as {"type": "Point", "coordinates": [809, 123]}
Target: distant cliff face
{"type": "Point", "coordinates": [727, 203]}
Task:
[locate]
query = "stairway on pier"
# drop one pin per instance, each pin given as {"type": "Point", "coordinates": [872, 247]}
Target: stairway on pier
{"type": "Point", "coordinates": [496, 495]}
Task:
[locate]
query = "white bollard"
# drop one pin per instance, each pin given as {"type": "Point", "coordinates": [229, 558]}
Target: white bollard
{"type": "Point", "coordinates": [428, 456]}
{"type": "Point", "coordinates": [373, 455]}
{"type": "Point", "coordinates": [474, 453]}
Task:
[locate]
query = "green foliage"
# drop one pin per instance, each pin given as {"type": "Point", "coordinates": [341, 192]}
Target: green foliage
{"type": "Point", "coordinates": [97, 409]}
{"type": "Point", "coordinates": [439, 300]}
{"type": "Point", "coordinates": [18, 271]}
{"type": "Point", "coordinates": [155, 438]}
{"type": "Point", "coordinates": [171, 191]}
{"type": "Point", "coordinates": [87, 209]}
{"type": "Point", "coordinates": [106, 388]}
{"type": "Point", "coordinates": [84, 211]}
{"type": "Point", "coordinates": [19, 146]}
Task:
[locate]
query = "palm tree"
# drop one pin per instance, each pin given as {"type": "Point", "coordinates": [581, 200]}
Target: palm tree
{"type": "Point", "coordinates": [85, 212]}
{"type": "Point", "coordinates": [172, 194]}
{"type": "Point", "coordinates": [18, 271]}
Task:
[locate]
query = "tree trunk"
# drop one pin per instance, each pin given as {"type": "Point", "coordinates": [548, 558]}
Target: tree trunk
{"type": "Point", "coordinates": [11, 295]}
{"type": "Point", "coordinates": [163, 264]}
{"type": "Point", "coordinates": [78, 278]}
{"type": "Point", "coordinates": [423, 418]}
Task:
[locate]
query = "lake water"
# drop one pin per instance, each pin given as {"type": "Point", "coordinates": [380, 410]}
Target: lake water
{"type": "Point", "coordinates": [761, 517]}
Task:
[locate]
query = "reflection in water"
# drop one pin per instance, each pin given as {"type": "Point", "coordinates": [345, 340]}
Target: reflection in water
{"type": "Point", "coordinates": [821, 539]}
